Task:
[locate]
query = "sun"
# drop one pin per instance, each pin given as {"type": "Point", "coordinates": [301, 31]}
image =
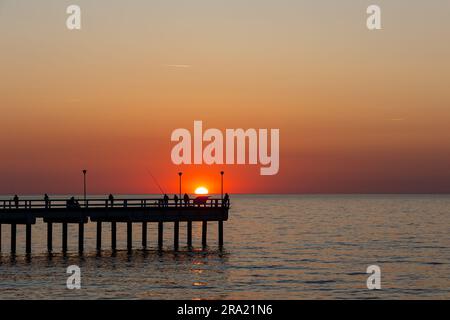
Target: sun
{"type": "Point", "coordinates": [201, 190]}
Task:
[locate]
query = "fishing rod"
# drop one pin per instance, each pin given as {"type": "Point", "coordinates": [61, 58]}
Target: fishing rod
{"type": "Point", "coordinates": [156, 181]}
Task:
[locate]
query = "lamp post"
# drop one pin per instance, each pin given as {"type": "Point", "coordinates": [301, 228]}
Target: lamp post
{"type": "Point", "coordinates": [180, 174]}
{"type": "Point", "coordinates": [221, 183]}
{"type": "Point", "coordinates": [84, 181]}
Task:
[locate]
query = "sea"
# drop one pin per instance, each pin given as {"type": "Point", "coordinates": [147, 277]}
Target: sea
{"type": "Point", "coordinates": [276, 247]}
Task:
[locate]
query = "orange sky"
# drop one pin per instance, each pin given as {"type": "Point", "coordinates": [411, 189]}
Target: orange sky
{"type": "Point", "coordinates": [358, 111]}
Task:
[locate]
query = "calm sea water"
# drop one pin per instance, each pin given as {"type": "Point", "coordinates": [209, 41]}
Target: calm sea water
{"type": "Point", "coordinates": [276, 247]}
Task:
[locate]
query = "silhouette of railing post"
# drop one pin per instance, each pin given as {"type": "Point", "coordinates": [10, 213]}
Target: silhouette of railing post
{"type": "Point", "coordinates": [113, 235]}
{"type": "Point", "coordinates": [144, 234]}
{"type": "Point", "coordinates": [176, 230]}
{"type": "Point", "coordinates": [49, 237]}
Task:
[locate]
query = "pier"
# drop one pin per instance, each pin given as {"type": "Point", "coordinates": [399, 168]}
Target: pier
{"type": "Point", "coordinates": [131, 212]}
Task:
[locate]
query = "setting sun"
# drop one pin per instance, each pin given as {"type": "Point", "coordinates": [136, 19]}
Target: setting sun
{"type": "Point", "coordinates": [201, 190]}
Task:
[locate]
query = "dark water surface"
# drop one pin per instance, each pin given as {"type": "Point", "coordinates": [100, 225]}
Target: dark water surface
{"type": "Point", "coordinates": [276, 247]}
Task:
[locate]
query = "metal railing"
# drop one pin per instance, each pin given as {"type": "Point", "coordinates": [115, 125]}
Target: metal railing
{"type": "Point", "coordinates": [10, 204]}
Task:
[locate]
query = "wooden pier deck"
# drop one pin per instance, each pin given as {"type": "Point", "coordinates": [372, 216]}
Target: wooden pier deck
{"type": "Point", "coordinates": [120, 210]}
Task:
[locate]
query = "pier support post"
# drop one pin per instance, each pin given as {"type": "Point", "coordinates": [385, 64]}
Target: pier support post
{"type": "Point", "coordinates": [113, 235]}
{"type": "Point", "coordinates": [189, 234]}
{"type": "Point", "coordinates": [144, 234]}
{"type": "Point", "coordinates": [204, 232]}
{"type": "Point", "coordinates": [28, 238]}
{"type": "Point", "coordinates": [176, 231]}
{"type": "Point", "coordinates": [129, 236]}
{"type": "Point", "coordinates": [160, 234]}
{"type": "Point", "coordinates": [64, 237]}
{"type": "Point", "coordinates": [49, 236]}
{"type": "Point", "coordinates": [13, 238]}
{"type": "Point", "coordinates": [0, 238]}
{"type": "Point", "coordinates": [220, 233]}
{"type": "Point", "coordinates": [99, 235]}
{"type": "Point", "coordinates": [80, 237]}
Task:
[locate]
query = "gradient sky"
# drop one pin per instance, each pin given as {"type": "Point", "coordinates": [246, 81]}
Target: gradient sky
{"type": "Point", "coordinates": [358, 111]}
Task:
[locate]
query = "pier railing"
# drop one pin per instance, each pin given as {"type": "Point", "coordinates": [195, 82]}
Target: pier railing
{"type": "Point", "coordinates": [10, 204]}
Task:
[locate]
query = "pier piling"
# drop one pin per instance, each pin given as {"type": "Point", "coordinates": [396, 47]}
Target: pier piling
{"type": "Point", "coordinates": [129, 236]}
{"type": "Point", "coordinates": [13, 238]}
{"type": "Point", "coordinates": [144, 234]}
{"type": "Point", "coordinates": [113, 235]}
{"type": "Point", "coordinates": [0, 237]}
{"type": "Point", "coordinates": [160, 234]}
{"type": "Point", "coordinates": [204, 232]}
{"type": "Point", "coordinates": [49, 237]}
{"type": "Point", "coordinates": [80, 237]}
{"type": "Point", "coordinates": [220, 232]}
{"type": "Point", "coordinates": [99, 235]}
{"type": "Point", "coordinates": [176, 231]}
{"type": "Point", "coordinates": [64, 237]}
{"type": "Point", "coordinates": [28, 238]}
{"type": "Point", "coordinates": [189, 234]}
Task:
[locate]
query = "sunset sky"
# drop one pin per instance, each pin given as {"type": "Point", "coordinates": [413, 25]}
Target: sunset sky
{"type": "Point", "coordinates": [359, 111]}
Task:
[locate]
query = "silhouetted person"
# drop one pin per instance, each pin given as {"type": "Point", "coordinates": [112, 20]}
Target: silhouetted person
{"type": "Point", "coordinates": [186, 199]}
{"type": "Point", "coordinates": [16, 201]}
{"type": "Point", "coordinates": [72, 203]}
{"type": "Point", "coordinates": [47, 201]}
{"type": "Point", "coordinates": [226, 200]}
{"type": "Point", "coordinates": [175, 198]}
{"type": "Point", "coordinates": [166, 200]}
{"type": "Point", "coordinates": [111, 200]}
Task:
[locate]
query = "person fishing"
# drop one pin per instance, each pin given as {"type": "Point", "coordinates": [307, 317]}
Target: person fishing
{"type": "Point", "coordinates": [47, 201]}
{"type": "Point", "coordinates": [111, 200]}
{"type": "Point", "coordinates": [175, 198]}
{"type": "Point", "coordinates": [71, 203]}
{"type": "Point", "coordinates": [186, 200]}
{"type": "Point", "coordinates": [16, 201]}
{"type": "Point", "coordinates": [165, 200]}
{"type": "Point", "coordinates": [226, 200]}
